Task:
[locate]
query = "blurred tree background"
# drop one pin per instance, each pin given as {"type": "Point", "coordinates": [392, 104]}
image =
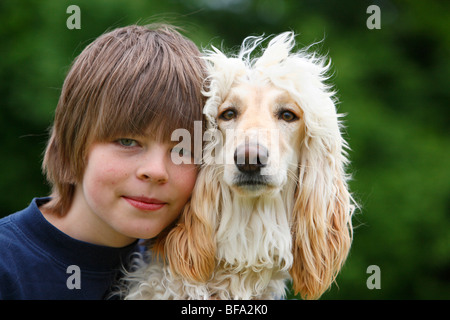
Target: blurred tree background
{"type": "Point", "coordinates": [392, 83]}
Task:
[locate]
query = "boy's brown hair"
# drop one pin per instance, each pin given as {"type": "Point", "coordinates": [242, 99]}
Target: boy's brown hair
{"type": "Point", "coordinates": [128, 81]}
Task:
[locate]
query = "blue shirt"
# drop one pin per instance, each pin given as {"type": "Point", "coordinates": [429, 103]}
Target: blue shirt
{"type": "Point", "coordinates": [38, 261]}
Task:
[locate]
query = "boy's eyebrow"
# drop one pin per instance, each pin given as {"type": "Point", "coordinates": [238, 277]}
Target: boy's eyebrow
{"type": "Point", "coordinates": [139, 135]}
{"type": "Point", "coordinates": [129, 136]}
{"type": "Point", "coordinates": [149, 133]}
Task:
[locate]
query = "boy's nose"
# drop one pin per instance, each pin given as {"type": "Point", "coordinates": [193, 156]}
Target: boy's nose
{"type": "Point", "coordinates": [153, 169]}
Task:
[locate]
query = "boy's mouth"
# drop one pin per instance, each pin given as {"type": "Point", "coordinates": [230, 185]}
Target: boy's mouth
{"type": "Point", "coordinates": [144, 203]}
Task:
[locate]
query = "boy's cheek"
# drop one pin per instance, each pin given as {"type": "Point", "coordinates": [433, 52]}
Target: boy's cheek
{"type": "Point", "coordinates": [189, 176]}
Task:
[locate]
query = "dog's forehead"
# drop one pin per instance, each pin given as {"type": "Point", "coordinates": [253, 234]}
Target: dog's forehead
{"type": "Point", "coordinates": [251, 94]}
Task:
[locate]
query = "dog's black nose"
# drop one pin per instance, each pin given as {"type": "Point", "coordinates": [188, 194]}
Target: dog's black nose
{"type": "Point", "coordinates": [251, 158]}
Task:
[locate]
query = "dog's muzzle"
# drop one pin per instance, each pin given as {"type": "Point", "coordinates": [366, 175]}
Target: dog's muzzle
{"type": "Point", "coordinates": [251, 158]}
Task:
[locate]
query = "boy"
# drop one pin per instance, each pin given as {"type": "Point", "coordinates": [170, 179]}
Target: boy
{"type": "Point", "coordinates": [109, 163]}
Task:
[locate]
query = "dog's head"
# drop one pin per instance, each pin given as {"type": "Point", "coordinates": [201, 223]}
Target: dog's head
{"type": "Point", "coordinates": [260, 124]}
{"type": "Point", "coordinates": [264, 111]}
{"type": "Point", "coordinates": [271, 122]}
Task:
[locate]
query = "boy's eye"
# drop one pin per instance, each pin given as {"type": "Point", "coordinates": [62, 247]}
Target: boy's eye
{"type": "Point", "coordinates": [127, 142]}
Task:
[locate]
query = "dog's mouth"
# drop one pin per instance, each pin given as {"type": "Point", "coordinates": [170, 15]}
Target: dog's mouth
{"type": "Point", "coordinates": [251, 182]}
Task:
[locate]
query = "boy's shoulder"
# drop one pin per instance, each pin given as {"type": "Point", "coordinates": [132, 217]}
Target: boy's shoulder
{"type": "Point", "coordinates": [37, 260]}
{"type": "Point", "coordinates": [13, 253]}
{"type": "Point", "coordinates": [27, 269]}
{"type": "Point", "coordinates": [10, 230]}
{"type": "Point", "coordinates": [6, 226]}
{"type": "Point", "coordinates": [14, 242]}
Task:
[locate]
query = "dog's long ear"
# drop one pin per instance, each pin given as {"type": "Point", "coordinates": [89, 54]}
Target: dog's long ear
{"type": "Point", "coordinates": [322, 229]}
{"type": "Point", "coordinates": [189, 246]}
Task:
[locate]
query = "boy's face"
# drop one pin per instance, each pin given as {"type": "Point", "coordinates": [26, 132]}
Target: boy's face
{"type": "Point", "coordinates": [131, 189]}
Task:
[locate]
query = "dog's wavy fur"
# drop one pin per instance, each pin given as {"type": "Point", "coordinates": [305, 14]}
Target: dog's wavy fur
{"type": "Point", "coordinates": [227, 245]}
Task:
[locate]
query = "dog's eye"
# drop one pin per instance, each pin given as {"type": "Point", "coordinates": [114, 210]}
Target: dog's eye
{"type": "Point", "coordinates": [287, 116]}
{"type": "Point", "coordinates": [228, 114]}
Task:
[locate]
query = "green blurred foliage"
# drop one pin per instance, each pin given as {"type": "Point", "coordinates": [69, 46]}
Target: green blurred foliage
{"type": "Point", "coordinates": [392, 83]}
